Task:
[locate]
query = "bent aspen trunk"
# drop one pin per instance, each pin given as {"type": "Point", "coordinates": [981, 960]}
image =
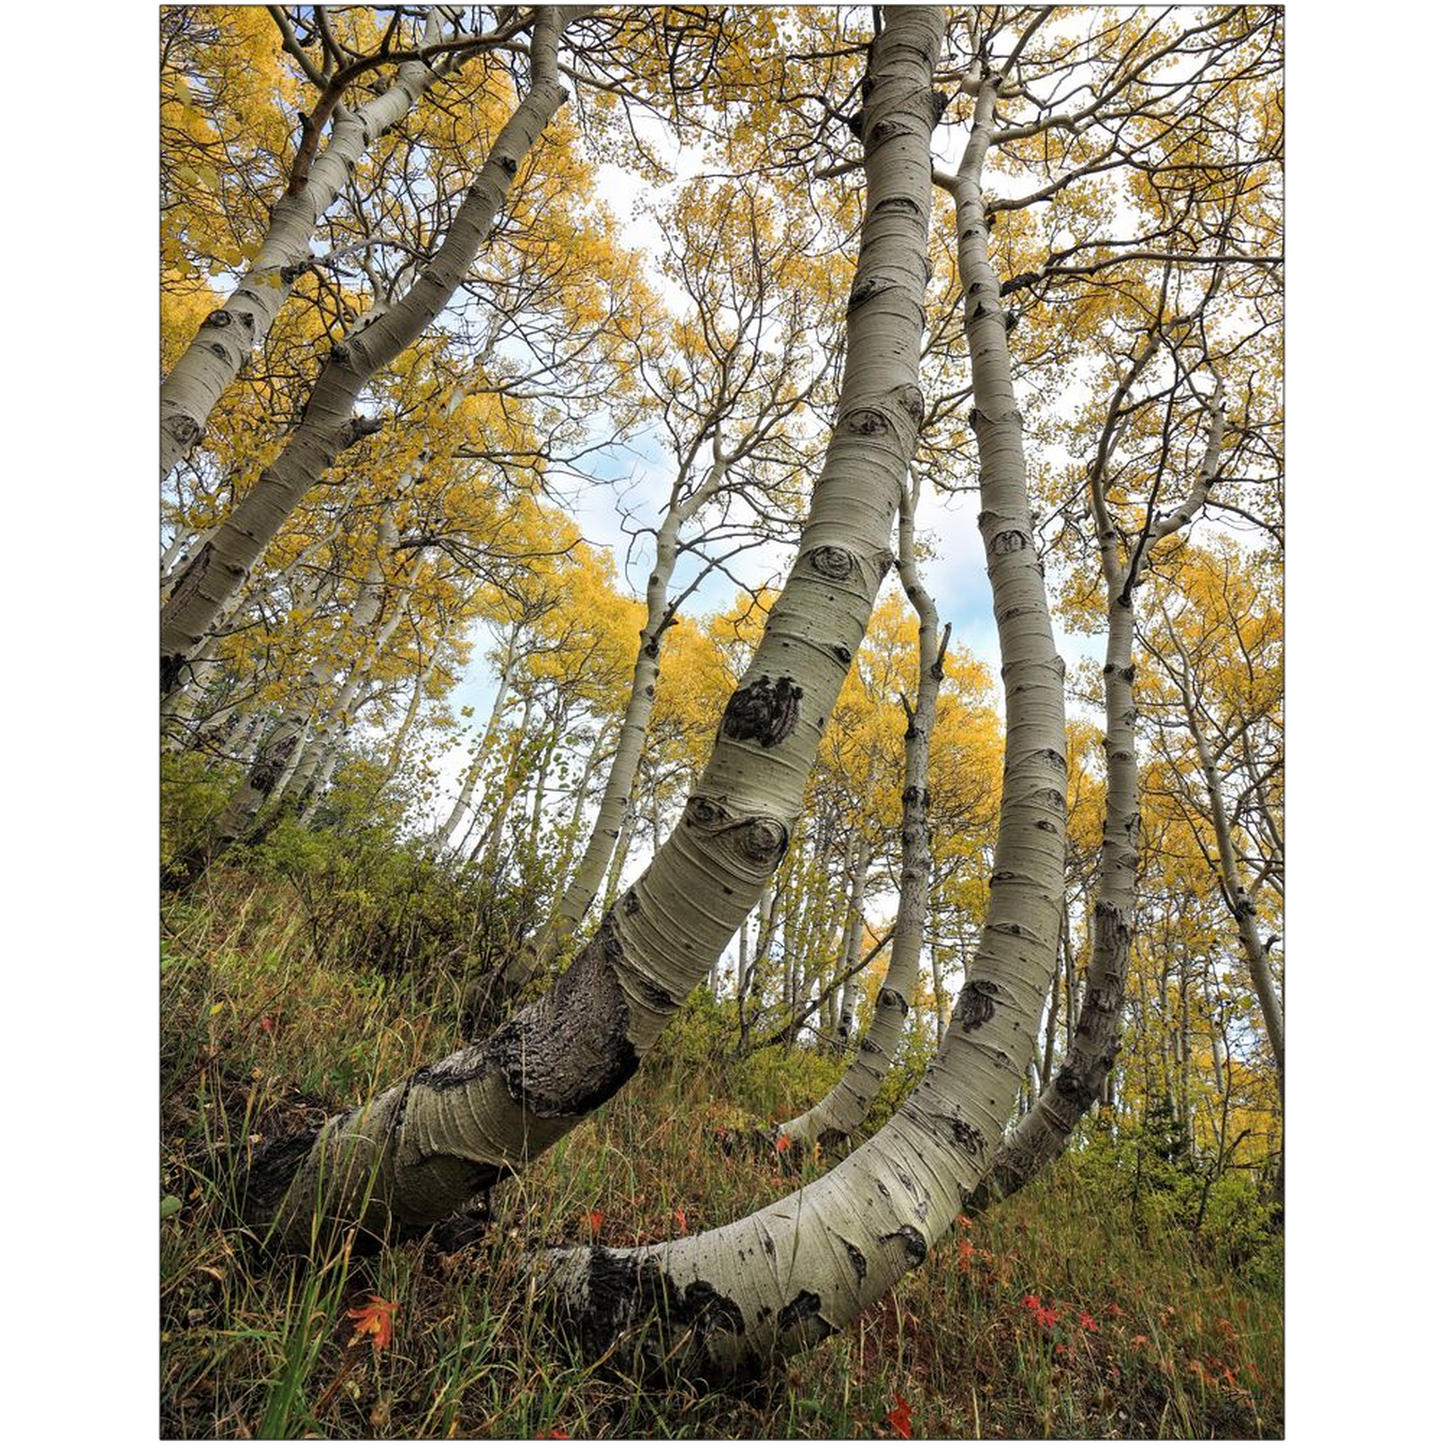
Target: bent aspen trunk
{"type": "Point", "coordinates": [1043, 1133]}
{"type": "Point", "coordinates": [417, 1152]}
{"type": "Point", "coordinates": [807, 1266]}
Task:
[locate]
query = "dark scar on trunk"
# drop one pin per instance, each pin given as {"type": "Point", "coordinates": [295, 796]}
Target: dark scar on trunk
{"type": "Point", "coordinates": [564, 1055]}
{"type": "Point", "coordinates": [622, 1292]}
{"type": "Point", "coordinates": [764, 711]}
{"type": "Point", "coordinates": [975, 1004]}
{"type": "Point", "coordinates": [915, 1251]}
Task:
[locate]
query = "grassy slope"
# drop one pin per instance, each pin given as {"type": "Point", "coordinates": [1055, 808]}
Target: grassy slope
{"type": "Point", "coordinates": [257, 1038]}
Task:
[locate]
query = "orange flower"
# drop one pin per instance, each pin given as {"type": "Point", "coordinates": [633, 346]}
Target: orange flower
{"type": "Point", "coordinates": [901, 1417]}
{"type": "Point", "coordinates": [681, 1218]}
{"type": "Point", "coordinates": [965, 1252]}
{"type": "Point", "coordinates": [374, 1318]}
{"type": "Point", "coordinates": [594, 1217]}
{"type": "Point", "coordinates": [784, 1144]}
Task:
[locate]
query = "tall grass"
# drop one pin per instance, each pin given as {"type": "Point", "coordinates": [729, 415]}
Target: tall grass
{"type": "Point", "coordinates": [1057, 1314]}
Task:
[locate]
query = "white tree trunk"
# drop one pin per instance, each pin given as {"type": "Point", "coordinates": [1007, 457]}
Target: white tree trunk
{"type": "Point", "coordinates": [416, 1152]}
{"type": "Point", "coordinates": [329, 424]}
{"type": "Point", "coordinates": [229, 335]}
{"type": "Point", "coordinates": [807, 1266]}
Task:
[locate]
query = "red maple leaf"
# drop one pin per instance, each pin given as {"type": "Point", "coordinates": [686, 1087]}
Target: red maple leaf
{"type": "Point", "coordinates": [374, 1318]}
{"type": "Point", "coordinates": [901, 1418]}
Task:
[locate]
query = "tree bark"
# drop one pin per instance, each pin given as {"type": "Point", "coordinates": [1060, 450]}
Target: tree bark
{"type": "Point", "coordinates": [807, 1266]}
{"type": "Point", "coordinates": [418, 1151]}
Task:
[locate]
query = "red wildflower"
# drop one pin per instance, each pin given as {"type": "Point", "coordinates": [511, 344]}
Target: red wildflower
{"type": "Point", "coordinates": [374, 1318]}
{"type": "Point", "coordinates": [594, 1217]}
{"type": "Point", "coordinates": [964, 1221]}
{"type": "Point", "coordinates": [1031, 1302]}
{"type": "Point", "coordinates": [681, 1218]}
{"type": "Point", "coordinates": [1047, 1318]}
{"type": "Point", "coordinates": [1087, 1321]}
{"type": "Point", "coordinates": [901, 1417]}
{"type": "Point", "coordinates": [267, 1022]}
{"type": "Point", "coordinates": [551, 1435]}
{"type": "Point", "coordinates": [965, 1252]}
{"type": "Point", "coordinates": [784, 1144]}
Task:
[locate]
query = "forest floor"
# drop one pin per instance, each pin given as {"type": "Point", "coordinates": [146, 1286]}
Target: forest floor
{"type": "Point", "coordinates": [1056, 1314]}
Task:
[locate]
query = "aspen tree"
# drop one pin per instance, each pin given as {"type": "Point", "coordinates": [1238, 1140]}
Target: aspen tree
{"type": "Point", "coordinates": [418, 1151]}
{"type": "Point", "coordinates": [803, 1268]}
{"type": "Point", "coordinates": [330, 422]}
{"type": "Point", "coordinates": [231, 333]}
{"type": "Point", "coordinates": [1044, 1131]}
{"type": "Point", "coordinates": [842, 1110]}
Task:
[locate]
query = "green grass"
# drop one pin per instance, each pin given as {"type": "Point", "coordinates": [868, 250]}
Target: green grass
{"type": "Point", "coordinates": [259, 1037]}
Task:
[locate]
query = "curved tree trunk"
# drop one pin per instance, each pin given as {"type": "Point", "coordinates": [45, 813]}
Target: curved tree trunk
{"type": "Point", "coordinates": [1043, 1133]}
{"type": "Point", "coordinates": [229, 335]}
{"type": "Point", "coordinates": [841, 1111]}
{"type": "Point", "coordinates": [418, 1151]}
{"type": "Point", "coordinates": [329, 425]}
{"type": "Point", "coordinates": [807, 1266]}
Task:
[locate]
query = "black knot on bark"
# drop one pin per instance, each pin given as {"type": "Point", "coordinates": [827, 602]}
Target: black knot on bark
{"type": "Point", "coordinates": [1006, 542]}
{"type": "Point", "coordinates": [865, 421]}
{"type": "Point", "coordinates": [764, 711]}
{"type": "Point", "coordinates": [508, 164]}
{"type": "Point", "coordinates": [975, 1004]}
{"type": "Point", "coordinates": [765, 840]}
{"type": "Point", "coordinates": [218, 318]}
{"type": "Point", "coordinates": [701, 812]}
{"type": "Point", "coordinates": [915, 1249]}
{"type": "Point", "coordinates": [940, 104]}
{"type": "Point", "coordinates": [910, 398]}
{"type": "Point", "coordinates": [891, 998]}
{"type": "Point", "coordinates": [885, 130]}
{"type": "Point", "coordinates": [967, 1135]}
{"type": "Point", "coordinates": [832, 562]}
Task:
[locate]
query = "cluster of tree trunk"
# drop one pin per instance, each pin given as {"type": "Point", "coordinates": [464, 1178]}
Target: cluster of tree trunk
{"type": "Point", "coordinates": [803, 1267]}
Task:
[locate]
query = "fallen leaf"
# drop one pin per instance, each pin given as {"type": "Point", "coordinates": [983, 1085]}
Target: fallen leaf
{"type": "Point", "coordinates": [901, 1418]}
